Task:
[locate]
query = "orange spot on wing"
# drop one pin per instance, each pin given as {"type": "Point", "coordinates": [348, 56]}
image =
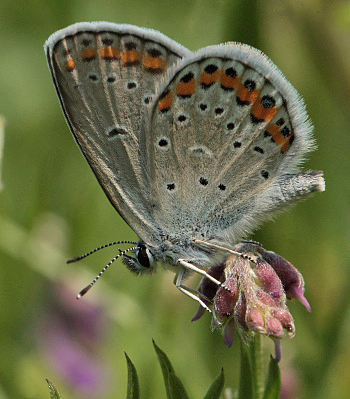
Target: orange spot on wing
{"type": "Point", "coordinates": [70, 65]}
{"type": "Point", "coordinates": [130, 57]}
{"type": "Point", "coordinates": [246, 95]}
{"type": "Point", "coordinates": [209, 78]}
{"type": "Point", "coordinates": [186, 88]}
{"type": "Point", "coordinates": [263, 113]}
{"type": "Point", "coordinates": [229, 82]}
{"type": "Point", "coordinates": [286, 145]}
{"type": "Point", "coordinates": [109, 53]}
{"type": "Point", "coordinates": [88, 54]}
{"type": "Point", "coordinates": [273, 129]}
{"type": "Point", "coordinates": [166, 103]}
{"type": "Point", "coordinates": [154, 63]}
{"type": "Point", "coordinates": [279, 138]}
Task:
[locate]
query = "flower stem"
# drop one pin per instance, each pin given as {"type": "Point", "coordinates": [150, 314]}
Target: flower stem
{"type": "Point", "coordinates": [255, 349]}
{"type": "Point", "coordinates": [251, 378]}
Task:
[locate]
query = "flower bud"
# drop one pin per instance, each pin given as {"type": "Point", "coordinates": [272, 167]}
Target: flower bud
{"type": "Point", "coordinates": [270, 282]}
{"type": "Point", "coordinates": [226, 298]}
{"type": "Point", "coordinates": [274, 328]}
{"type": "Point", "coordinates": [291, 278]}
{"type": "Point", "coordinates": [255, 320]}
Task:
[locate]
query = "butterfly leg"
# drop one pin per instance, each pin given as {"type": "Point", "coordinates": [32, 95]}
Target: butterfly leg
{"type": "Point", "coordinates": [189, 291]}
{"type": "Point", "coordinates": [196, 269]}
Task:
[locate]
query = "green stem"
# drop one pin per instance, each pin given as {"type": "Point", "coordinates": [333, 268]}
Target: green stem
{"type": "Point", "coordinates": [256, 357]}
{"type": "Point", "coordinates": [251, 378]}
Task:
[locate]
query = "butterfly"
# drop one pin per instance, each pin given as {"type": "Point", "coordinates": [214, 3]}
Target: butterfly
{"type": "Point", "coordinates": [193, 149]}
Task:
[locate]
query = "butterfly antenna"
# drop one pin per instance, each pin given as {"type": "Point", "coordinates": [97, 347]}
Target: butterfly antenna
{"type": "Point", "coordinates": [87, 288]}
{"type": "Point", "coordinates": [72, 260]}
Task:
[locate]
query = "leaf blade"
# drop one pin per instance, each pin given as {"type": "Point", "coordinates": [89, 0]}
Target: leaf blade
{"type": "Point", "coordinates": [133, 390]}
{"type": "Point", "coordinates": [54, 394]}
{"type": "Point", "coordinates": [173, 385]}
{"type": "Point", "coordinates": [216, 387]}
{"type": "Point", "coordinates": [274, 382]}
{"type": "Point", "coordinates": [165, 366]}
{"type": "Point", "coordinates": [176, 387]}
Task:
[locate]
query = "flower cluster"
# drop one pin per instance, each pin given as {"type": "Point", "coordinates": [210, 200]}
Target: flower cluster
{"type": "Point", "coordinates": [255, 286]}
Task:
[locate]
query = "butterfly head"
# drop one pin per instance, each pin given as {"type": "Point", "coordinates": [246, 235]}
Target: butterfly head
{"type": "Point", "coordinates": [143, 262]}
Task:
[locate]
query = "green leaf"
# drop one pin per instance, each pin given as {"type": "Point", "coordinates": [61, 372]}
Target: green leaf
{"type": "Point", "coordinates": [166, 367]}
{"type": "Point", "coordinates": [176, 388]}
{"type": "Point", "coordinates": [274, 381]}
{"type": "Point", "coordinates": [163, 359]}
{"type": "Point", "coordinates": [133, 381]}
{"type": "Point", "coordinates": [246, 382]}
{"type": "Point", "coordinates": [216, 387]}
{"type": "Point", "coordinates": [54, 394]}
{"type": "Point", "coordinates": [173, 386]}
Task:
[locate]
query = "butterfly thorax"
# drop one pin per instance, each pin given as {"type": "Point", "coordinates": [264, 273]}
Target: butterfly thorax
{"type": "Point", "coordinates": [172, 249]}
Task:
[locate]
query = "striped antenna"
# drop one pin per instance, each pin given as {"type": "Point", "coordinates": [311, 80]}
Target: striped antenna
{"type": "Point", "coordinates": [72, 260]}
{"type": "Point", "coordinates": [87, 288]}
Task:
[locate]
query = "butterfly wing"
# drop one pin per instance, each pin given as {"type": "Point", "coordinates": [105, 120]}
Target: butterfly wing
{"type": "Point", "coordinates": [105, 75]}
{"type": "Point", "coordinates": [227, 134]}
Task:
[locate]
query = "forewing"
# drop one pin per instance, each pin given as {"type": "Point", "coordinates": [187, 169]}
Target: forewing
{"type": "Point", "coordinates": [226, 130]}
{"type": "Point", "coordinates": [105, 76]}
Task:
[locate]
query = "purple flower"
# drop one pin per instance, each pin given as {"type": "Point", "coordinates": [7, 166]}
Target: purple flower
{"type": "Point", "coordinates": [70, 337]}
{"type": "Point", "coordinates": [253, 294]}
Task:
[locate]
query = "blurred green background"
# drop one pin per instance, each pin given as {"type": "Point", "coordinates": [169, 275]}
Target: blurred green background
{"type": "Point", "coordinates": [52, 208]}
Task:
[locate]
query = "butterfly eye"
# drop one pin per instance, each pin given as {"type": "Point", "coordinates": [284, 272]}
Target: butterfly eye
{"type": "Point", "coordinates": [142, 263]}
{"type": "Point", "coordinates": [144, 256]}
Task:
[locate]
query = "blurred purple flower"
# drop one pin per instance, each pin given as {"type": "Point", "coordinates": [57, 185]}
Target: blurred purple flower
{"type": "Point", "coordinates": [290, 383]}
{"type": "Point", "coordinates": [253, 294]}
{"type": "Point", "coordinates": [70, 337]}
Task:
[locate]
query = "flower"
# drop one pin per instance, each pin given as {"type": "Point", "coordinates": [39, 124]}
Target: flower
{"type": "Point", "coordinates": [70, 336]}
{"type": "Point", "coordinates": [255, 286]}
